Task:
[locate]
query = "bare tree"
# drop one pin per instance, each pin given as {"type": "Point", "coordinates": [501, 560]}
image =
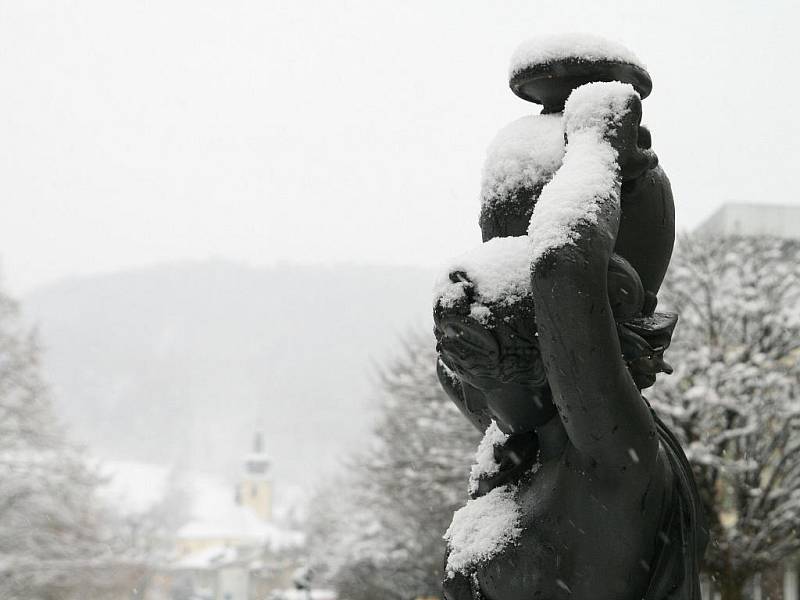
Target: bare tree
{"type": "Point", "coordinates": [734, 396]}
{"type": "Point", "coordinates": [378, 529]}
{"type": "Point", "coordinates": [56, 541]}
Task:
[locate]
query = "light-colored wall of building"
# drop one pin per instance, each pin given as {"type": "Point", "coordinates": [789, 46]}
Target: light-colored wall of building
{"type": "Point", "coordinates": [257, 495]}
{"type": "Point", "coordinates": [754, 220]}
{"type": "Point", "coordinates": [187, 546]}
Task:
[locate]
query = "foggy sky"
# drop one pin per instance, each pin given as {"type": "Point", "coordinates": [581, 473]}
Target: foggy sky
{"type": "Point", "coordinates": [139, 132]}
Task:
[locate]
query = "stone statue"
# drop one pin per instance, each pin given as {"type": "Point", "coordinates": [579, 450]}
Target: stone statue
{"type": "Point", "coordinates": [547, 333]}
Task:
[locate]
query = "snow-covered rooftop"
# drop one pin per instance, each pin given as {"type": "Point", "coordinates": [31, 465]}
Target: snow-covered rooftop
{"type": "Point", "coordinates": [237, 522]}
{"type": "Point", "coordinates": [207, 558]}
{"type": "Point", "coordinates": [134, 488]}
{"type": "Point", "coordinates": [589, 47]}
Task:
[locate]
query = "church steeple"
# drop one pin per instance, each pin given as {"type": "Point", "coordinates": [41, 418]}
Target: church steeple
{"type": "Point", "coordinates": [255, 489]}
{"type": "Point", "coordinates": [256, 464]}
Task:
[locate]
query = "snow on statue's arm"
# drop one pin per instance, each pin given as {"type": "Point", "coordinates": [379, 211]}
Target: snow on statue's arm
{"type": "Point", "coordinates": [572, 235]}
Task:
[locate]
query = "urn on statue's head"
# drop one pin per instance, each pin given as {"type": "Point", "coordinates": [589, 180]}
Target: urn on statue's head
{"type": "Point", "coordinates": [527, 153]}
{"type": "Point", "coordinates": [546, 69]}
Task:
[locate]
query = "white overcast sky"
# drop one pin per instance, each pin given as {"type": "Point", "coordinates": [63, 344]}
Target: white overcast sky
{"type": "Point", "coordinates": [138, 132]}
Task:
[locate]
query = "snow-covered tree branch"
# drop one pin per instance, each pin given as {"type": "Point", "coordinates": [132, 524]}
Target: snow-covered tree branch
{"type": "Point", "coordinates": [56, 540]}
{"type": "Point", "coordinates": [378, 530]}
{"type": "Point", "coordinates": [733, 399]}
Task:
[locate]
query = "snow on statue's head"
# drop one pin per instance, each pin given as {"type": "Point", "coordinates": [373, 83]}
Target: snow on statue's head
{"type": "Point", "coordinates": [485, 330]}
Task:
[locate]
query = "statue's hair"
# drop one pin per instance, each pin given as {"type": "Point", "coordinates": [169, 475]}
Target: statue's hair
{"type": "Point", "coordinates": [499, 342]}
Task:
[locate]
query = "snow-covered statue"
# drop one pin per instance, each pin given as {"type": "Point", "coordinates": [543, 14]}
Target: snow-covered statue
{"type": "Point", "coordinates": [547, 333]}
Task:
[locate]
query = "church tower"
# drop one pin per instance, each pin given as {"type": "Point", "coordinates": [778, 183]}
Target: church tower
{"type": "Point", "coordinates": [255, 488]}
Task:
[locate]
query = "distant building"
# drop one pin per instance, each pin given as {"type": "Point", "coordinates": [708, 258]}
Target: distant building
{"type": "Point", "coordinates": [243, 522]}
{"type": "Point", "coordinates": [233, 550]}
{"type": "Point", "coordinates": [734, 218]}
{"type": "Point", "coordinates": [255, 489]}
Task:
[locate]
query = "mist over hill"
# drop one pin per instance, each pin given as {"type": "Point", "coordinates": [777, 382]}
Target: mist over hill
{"type": "Point", "coordinates": [181, 363]}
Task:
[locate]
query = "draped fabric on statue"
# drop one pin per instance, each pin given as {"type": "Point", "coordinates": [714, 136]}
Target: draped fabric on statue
{"type": "Point", "coordinates": [684, 534]}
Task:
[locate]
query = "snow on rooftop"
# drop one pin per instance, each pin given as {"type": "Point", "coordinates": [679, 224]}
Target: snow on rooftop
{"type": "Point", "coordinates": [134, 487]}
{"type": "Point", "coordinates": [485, 464]}
{"type": "Point", "coordinates": [524, 153]}
{"type": "Point", "coordinates": [482, 529]}
{"type": "Point", "coordinates": [216, 515]}
{"type": "Point", "coordinates": [207, 558]}
{"type": "Point", "coordinates": [235, 522]}
{"type": "Point", "coordinates": [589, 173]}
{"type": "Point", "coordinates": [549, 48]}
{"type": "Point", "coordinates": [499, 269]}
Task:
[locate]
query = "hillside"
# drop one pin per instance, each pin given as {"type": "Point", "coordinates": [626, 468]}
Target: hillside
{"type": "Point", "coordinates": [179, 364]}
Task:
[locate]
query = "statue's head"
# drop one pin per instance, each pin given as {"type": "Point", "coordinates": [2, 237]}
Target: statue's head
{"type": "Point", "coordinates": [486, 334]}
{"type": "Point", "coordinates": [485, 326]}
{"type": "Point", "coordinates": [494, 348]}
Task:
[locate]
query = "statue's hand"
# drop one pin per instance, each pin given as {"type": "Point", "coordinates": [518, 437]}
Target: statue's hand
{"type": "Point", "coordinates": [633, 143]}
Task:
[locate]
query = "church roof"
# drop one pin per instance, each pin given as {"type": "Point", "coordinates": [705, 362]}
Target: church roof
{"type": "Point", "coordinates": [240, 524]}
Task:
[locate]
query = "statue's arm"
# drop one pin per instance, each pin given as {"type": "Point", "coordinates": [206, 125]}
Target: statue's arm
{"type": "Point", "coordinates": [602, 410]}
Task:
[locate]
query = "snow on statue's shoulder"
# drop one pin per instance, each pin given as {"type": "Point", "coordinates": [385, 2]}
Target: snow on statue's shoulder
{"type": "Point", "coordinates": [589, 174]}
{"type": "Point", "coordinates": [579, 46]}
{"type": "Point", "coordinates": [498, 271]}
{"type": "Point", "coordinates": [482, 529]}
{"type": "Point", "coordinates": [524, 154]}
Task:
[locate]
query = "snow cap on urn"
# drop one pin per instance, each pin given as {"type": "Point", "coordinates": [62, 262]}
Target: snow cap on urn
{"type": "Point", "coordinates": [546, 69]}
